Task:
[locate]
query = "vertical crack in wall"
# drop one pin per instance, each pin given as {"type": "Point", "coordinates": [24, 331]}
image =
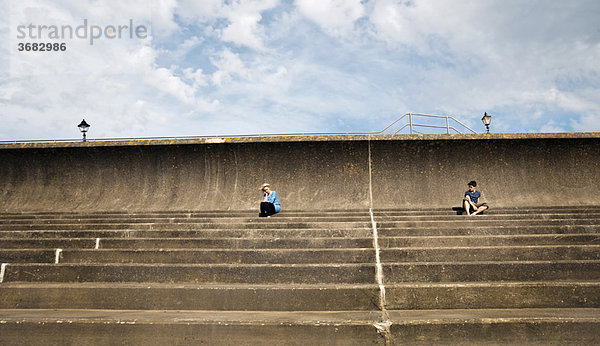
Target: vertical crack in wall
{"type": "Point", "coordinates": [383, 327]}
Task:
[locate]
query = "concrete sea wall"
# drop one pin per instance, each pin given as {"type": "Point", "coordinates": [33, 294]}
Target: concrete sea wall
{"type": "Point", "coordinates": [332, 172]}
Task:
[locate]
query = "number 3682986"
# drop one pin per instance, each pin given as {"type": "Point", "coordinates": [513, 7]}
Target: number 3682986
{"type": "Point", "coordinates": [42, 47]}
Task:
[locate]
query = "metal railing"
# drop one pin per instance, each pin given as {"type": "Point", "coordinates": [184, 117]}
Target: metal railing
{"type": "Point", "coordinates": [411, 125]}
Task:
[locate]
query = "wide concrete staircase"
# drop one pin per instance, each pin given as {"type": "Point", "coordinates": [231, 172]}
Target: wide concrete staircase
{"type": "Point", "coordinates": [510, 276]}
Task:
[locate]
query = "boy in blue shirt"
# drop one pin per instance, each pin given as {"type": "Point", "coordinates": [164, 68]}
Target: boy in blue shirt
{"type": "Point", "coordinates": [473, 201]}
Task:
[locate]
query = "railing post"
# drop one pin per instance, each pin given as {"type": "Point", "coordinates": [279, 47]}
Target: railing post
{"type": "Point", "coordinates": [447, 126]}
{"type": "Point", "coordinates": [410, 122]}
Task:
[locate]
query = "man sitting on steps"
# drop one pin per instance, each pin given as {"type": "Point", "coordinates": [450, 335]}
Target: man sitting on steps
{"type": "Point", "coordinates": [473, 200]}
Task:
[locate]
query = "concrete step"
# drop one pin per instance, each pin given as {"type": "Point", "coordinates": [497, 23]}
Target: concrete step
{"type": "Point", "coordinates": [188, 226]}
{"type": "Point", "coordinates": [451, 210]}
{"type": "Point", "coordinates": [493, 295]}
{"type": "Point", "coordinates": [488, 240]}
{"type": "Point", "coordinates": [147, 232]}
{"type": "Point", "coordinates": [301, 256]}
{"type": "Point", "coordinates": [495, 326]}
{"type": "Point", "coordinates": [186, 243]}
{"type": "Point", "coordinates": [297, 233]}
{"type": "Point", "coordinates": [359, 273]}
{"type": "Point", "coordinates": [306, 273]}
{"type": "Point", "coordinates": [189, 328]}
{"type": "Point", "coordinates": [287, 212]}
{"type": "Point", "coordinates": [216, 215]}
{"type": "Point", "coordinates": [481, 230]}
{"type": "Point", "coordinates": [458, 211]}
{"type": "Point", "coordinates": [182, 213]}
{"type": "Point", "coordinates": [483, 221]}
{"type": "Point", "coordinates": [315, 217]}
{"type": "Point", "coordinates": [45, 243]}
{"type": "Point", "coordinates": [494, 209]}
{"type": "Point", "coordinates": [488, 217]}
{"type": "Point", "coordinates": [253, 213]}
{"type": "Point", "coordinates": [275, 221]}
{"type": "Point", "coordinates": [220, 256]}
{"type": "Point", "coordinates": [198, 220]}
{"type": "Point", "coordinates": [27, 256]}
{"type": "Point", "coordinates": [482, 326]}
{"type": "Point", "coordinates": [260, 277]}
{"type": "Point", "coordinates": [571, 270]}
{"type": "Point", "coordinates": [274, 241]}
{"type": "Point", "coordinates": [365, 255]}
{"type": "Point", "coordinates": [492, 253]}
{"type": "Point", "coordinates": [298, 243]}
{"type": "Point", "coordinates": [156, 296]}
{"type": "Point", "coordinates": [300, 297]}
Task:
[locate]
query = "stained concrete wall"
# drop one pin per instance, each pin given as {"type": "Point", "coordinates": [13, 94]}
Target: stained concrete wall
{"type": "Point", "coordinates": [307, 172]}
{"type": "Point", "coordinates": [184, 177]}
{"type": "Point", "coordinates": [527, 171]}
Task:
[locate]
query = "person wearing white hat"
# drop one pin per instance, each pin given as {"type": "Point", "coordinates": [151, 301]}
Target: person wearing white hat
{"type": "Point", "coordinates": [270, 203]}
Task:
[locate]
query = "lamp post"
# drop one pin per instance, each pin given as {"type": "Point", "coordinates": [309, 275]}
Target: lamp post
{"type": "Point", "coordinates": [83, 127]}
{"type": "Point", "coordinates": [487, 119]}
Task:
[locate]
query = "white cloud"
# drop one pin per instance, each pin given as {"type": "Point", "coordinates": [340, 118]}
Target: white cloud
{"type": "Point", "coordinates": [229, 67]}
{"type": "Point", "coordinates": [116, 84]}
{"type": "Point", "coordinates": [205, 10]}
{"type": "Point", "coordinates": [164, 80]}
{"type": "Point", "coordinates": [163, 23]}
{"type": "Point", "coordinates": [393, 23]}
{"type": "Point", "coordinates": [197, 77]}
{"type": "Point", "coordinates": [216, 66]}
{"type": "Point", "coordinates": [242, 16]}
{"type": "Point", "coordinates": [587, 122]}
{"type": "Point", "coordinates": [334, 16]}
{"type": "Point", "coordinates": [551, 127]}
{"type": "Point", "coordinates": [473, 56]}
{"type": "Point", "coordinates": [244, 29]}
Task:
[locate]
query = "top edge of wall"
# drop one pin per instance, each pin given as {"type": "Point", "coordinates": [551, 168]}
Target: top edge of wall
{"type": "Point", "coordinates": [290, 138]}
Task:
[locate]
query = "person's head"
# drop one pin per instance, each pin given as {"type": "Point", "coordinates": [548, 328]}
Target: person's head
{"type": "Point", "coordinates": [472, 185]}
{"type": "Point", "coordinates": [265, 188]}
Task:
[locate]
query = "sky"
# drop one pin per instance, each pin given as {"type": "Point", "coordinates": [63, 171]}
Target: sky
{"type": "Point", "coordinates": [215, 67]}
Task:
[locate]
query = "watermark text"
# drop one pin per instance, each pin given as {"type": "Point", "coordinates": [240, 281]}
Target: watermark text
{"type": "Point", "coordinates": [90, 33]}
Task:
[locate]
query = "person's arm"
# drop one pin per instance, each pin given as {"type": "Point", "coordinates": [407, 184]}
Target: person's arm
{"type": "Point", "coordinates": [472, 204]}
{"type": "Point", "coordinates": [468, 198]}
{"type": "Point", "coordinates": [276, 202]}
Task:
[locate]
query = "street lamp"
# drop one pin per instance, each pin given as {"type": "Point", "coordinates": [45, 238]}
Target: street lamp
{"type": "Point", "coordinates": [487, 119]}
{"type": "Point", "coordinates": [83, 127]}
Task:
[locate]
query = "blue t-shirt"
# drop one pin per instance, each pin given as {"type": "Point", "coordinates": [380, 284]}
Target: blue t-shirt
{"type": "Point", "coordinates": [473, 195]}
{"type": "Point", "coordinates": [272, 198]}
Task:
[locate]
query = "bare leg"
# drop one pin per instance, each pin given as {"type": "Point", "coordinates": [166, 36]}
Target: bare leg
{"type": "Point", "coordinates": [480, 209]}
{"type": "Point", "coordinates": [467, 207]}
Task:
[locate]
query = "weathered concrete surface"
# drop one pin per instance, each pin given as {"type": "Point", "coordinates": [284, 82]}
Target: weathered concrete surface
{"type": "Point", "coordinates": [335, 297]}
{"type": "Point", "coordinates": [307, 172]}
{"type": "Point", "coordinates": [102, 327]}
{"type": "Point", "coordinates": [199, 273]}
{"type": "Point", "coordinates": [543, 292]}
{"type": "Point", "coordinates": [425, 327]}
{"type": "Point", "coordinates": [155, 296]}
{"type": "Point", "coordinates": [526, 171]}
{"type": "Point", "coordinates": [191, 177]}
